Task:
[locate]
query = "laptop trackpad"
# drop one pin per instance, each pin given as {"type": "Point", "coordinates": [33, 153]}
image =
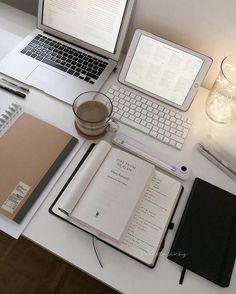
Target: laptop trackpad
{"type": "Point", "coordinates": [45, 79]}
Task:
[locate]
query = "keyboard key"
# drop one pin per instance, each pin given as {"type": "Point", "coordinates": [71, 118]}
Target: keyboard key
{"type": "Point", "coordinates": [160, 137]}
{"type": "Point", "coordinates": [76, 74]}
{"type": "Point", "coordinates": [153, 133]}
{"type": "Point", "coordinates": [172, 142]}
{"type": "Point", "coordinates": [138, 120]}
{"type": "Point", "coordinates": [54, 64]}
{"type": "Point", "coordinates": [95, 77]}
{"type": "Point", "coordinates": [166, 140]}
{"type": "Point", "coordinates": [70, 71]}
{"type": "Point", "coordinates": [178, 145]}
{"type": "Point", "coordinates": [177, 139]}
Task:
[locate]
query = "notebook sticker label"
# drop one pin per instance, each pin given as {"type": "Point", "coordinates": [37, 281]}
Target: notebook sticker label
{"type": "Point", "coordinates": [15, 198]}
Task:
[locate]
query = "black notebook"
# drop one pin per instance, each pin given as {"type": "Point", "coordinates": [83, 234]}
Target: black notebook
{"type": "Point", "coordinates": [205, 241]}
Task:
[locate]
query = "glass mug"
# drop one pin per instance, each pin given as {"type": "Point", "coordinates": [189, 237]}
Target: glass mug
{"type": "Point", "coordinates": [221, 101]}
{"type": "Point", "coordinates": [93, 112]}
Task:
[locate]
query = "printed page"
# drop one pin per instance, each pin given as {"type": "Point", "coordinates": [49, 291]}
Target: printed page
{"type": "Point", "coordinates": [112, 197]}
{"type": "Point", "coordinates": [96, 22]}
{"type": "Point", "coordinates": [74, 191]}
{"type": "Point", "coordinates": [149, 224]}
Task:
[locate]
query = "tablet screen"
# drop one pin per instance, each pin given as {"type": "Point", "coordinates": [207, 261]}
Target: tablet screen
{"type": "Point", "coordinates": [163, 70]}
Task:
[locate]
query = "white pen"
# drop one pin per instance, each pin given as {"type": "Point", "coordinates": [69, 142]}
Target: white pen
{"type": "Point", "coordinates": [216, 159]}
{"type": "Point", "coordinates": [15, 85]}
{"type": "Point", "coordinates": [152, 155]}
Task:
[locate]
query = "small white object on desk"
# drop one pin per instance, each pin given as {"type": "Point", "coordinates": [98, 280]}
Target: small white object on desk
{"type": "Point", "coordinates": [218, 157]}
{"type": "Point", "coordinates": [140, 149]}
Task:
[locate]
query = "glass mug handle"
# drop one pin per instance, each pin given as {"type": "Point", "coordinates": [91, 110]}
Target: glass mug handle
{"type": "Point", "coordinates": [112, 125]}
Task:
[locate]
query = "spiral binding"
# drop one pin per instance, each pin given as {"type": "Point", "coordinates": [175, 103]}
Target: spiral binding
{"type": "Point", "coordinates": [9, 116]}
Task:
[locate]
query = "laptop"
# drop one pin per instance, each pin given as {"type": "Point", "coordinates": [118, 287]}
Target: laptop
{"type": "Point", "coordinates": [74, 49]}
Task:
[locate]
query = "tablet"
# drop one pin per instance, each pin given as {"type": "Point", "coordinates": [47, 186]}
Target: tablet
{"type": "Point", "coordinates": [164, 70]}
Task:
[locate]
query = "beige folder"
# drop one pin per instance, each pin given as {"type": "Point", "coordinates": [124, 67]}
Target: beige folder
{"type": "Point", "coordinates": [30, 152]}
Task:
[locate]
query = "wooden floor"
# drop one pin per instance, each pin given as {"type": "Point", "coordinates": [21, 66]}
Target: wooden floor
{"type": "Point", "coordinates": [25, 268]}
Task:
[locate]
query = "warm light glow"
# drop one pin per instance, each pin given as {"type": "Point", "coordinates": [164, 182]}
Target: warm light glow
{"type": "Point", "coordinates": [221, 102]}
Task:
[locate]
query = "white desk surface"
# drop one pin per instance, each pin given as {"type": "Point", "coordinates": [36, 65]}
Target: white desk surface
{"type": "Point", "coordinates": [75, 246]}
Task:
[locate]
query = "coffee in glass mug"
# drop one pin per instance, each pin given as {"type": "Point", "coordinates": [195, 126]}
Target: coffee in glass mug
{"type": "Point", "coordinates": [92, 113]}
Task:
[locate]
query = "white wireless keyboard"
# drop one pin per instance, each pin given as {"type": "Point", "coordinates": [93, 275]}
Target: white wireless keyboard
{"type": "Point", "coordinates": [149, 117]}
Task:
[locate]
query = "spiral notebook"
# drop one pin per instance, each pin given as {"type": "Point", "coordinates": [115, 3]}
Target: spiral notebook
{"type": "Point", "coordinates": [9, 112]}
{"type": "Point", "coordinates": [31, 151]}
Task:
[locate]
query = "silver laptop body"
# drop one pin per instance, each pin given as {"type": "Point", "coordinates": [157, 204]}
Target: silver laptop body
{"type": "Point", "coordinates": [96, 28]}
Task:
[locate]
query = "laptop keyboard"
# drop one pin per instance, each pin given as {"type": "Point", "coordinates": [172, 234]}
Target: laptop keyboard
{"type": "Point", "coordinates": [65, 58]}
{"type": "Point", "coordinates": [149, 117]}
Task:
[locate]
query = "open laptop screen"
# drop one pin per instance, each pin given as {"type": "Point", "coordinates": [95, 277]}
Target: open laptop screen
{"type": "Point", "coordinates": [96, 22]}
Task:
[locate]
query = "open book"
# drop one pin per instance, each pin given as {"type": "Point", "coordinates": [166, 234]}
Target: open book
{"type": "Point", "coordinates": [122, 200]}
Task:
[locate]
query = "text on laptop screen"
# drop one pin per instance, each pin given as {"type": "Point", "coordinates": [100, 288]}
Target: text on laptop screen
{"type": "Point", "coordinates": [163, 70]}
{"type": "Point", "coordinates": [96, 22]}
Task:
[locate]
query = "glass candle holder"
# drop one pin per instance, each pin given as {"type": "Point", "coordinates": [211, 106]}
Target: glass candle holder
{"type": "Point", "coordinates": [221, 101]}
